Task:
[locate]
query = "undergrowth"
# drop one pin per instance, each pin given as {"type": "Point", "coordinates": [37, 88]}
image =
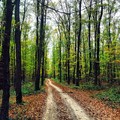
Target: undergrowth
{"type": "Point", "coordinates": [88, 86]}
{"type": "Point", "coordinates": [112, 94]}
{"type": "Point", "coordinates": [27, 89]}
{"type": "Point", "coordinates": [82, 86]}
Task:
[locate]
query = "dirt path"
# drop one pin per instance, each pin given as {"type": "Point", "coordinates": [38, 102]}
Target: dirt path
{"type": "Point", "coordinates": [50, 113]}
{"type": "Point", "coordinates": [61, 103]}
{"type": "Point", "coordinates": [74, 108]}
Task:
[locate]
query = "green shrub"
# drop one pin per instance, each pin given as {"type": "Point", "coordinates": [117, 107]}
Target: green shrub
{"type": "Point", "coordinates": [112, 94]}
{"type": "Point", "coordinates": [88, 86]}
{"type": "Point", "coordinates": [28, 88]}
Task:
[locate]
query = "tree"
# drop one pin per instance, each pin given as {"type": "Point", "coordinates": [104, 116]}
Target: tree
{"type": "Point", "coordinates": [78, 72]}
{"type": "Point", "coordinates": [109, 68]}
{"type": "Point", "coordinates": [40, 45]}
{"type": "Point", "coordinates": [89, 12]}
{"type": "Point", "coordinates": [37, 63]}
{"type": "Point", "coordinates": [60, 64]}
{"type": "Point", "coordinates": [75, 39]}
{"type": "Point", "coordinates": [5, 59]}
{"type": "Point", "coordinates": [43, 46]}
{"type": "Point", "coordinates": [97, 24]}
{"type": "Point", "coordinates": [25, 36]}
{"type": "Point", "coordinates": [18, 78]}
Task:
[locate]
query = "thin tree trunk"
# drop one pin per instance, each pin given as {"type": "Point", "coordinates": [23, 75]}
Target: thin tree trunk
{"type": "Point", "coordinates": [68, 54]}
{"type": "Point", "coordinates": [60, 65]}
{"type": "Point", "coordinates": [75, 46]}
{"type": "Point", "coordinates": [37, 72]}
{"type": "Point", "coordinates": [97, 46]}
{"type": "Point", "coordinates": [24, 34]}
{"type": "Point", "coordinates": [89, 40]}
{"type": "Point", "coordinates": [78, 74]}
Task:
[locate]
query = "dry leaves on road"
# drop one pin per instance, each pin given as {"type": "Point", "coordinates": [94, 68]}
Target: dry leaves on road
{"type": "Point", "coordinates": [63, 112]}
{"type": "Point", "coordinates": [94, 107]}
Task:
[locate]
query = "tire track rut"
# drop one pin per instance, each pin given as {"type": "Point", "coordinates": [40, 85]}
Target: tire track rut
{"type": "Point", "coordinates": [75, 110]}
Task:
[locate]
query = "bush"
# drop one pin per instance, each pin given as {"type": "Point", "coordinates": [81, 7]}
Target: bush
{"type": "Point", "coordinates": [112, 94]}
{"type": "Point", "coordinates": [88, 86]}
{"type": "Point", "coordinates": [28, 88]}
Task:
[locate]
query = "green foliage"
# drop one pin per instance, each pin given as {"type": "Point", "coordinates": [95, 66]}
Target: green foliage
{"type": "Point", "coordinates": [28, 88]}
{"type": "Point", "coordinates": [88, 86]}
{"type": "Point", "coordinates": [58, 81]}
{"type": "Point", "coordinates": [112, 94]}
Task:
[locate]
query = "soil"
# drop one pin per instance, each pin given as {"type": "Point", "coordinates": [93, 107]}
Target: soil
{"type": "Point", "coordinates": [75, 110]}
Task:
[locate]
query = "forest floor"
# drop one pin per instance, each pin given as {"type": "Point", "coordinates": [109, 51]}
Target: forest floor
{"type": "Point", "coordinates": [62, 103]}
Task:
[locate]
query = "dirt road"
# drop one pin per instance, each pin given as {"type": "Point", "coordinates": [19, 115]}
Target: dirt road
{"type": "Point", "coordinates": [62, 103]}
{"type": "Point", "coordinates": [50, 113]}
{"type": "Point", "coordinates": [76, 112]}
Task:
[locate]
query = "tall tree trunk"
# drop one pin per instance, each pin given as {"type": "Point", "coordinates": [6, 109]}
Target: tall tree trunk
{"type": "Point", "coordinates": [75, 46]}
{"type": "Point", "coordinates": [97, 46]}
{"type": "Point", "coordinates": [40, 45]}
{"type": "Point", "coordinates": [37, 72]}
{"type": "Point", "coordinates": [43, 50]}
{"type": "Point", "coordinates": [54, 68]}
{"type": "Point", "coordinates": [109, 66]}
{"type": "Point", "coordinates": [89, 11]}
{"type": "Point", "coordinates": [89, 39]}
{"type": "Point", "coordinates": [78, 74]}
{"type": "Point", "coordinates": [18, 79]}
{"type": "Point", "coordinates": [25, 37]}
{"type": "Point", "coordinates": [95, 35]}
{"type": "Point", "coordinates": [60, 65]}
{"type": "Point", "coordinates": [5, 59]}
{"type": "Point", "coordinates": [68, 50]}
{"type": "Point", "coordinates": [85, 57]}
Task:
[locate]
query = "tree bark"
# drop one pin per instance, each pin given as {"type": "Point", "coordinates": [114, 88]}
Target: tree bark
{"type": "Point", "coordinates": [68, 50]}
{"type": "Point", "coordinates": [18, 79]}
{"type": "Point", "coordinates": [97, 45]}
{"type": "Point", "coordinates": [78, 74]}
{"type": "Point", "coordinates": [37, 72]}
{"type": "Point", "coordinates": [40, 46]}
{"type": "Point", "coordinates": [89, 40]}
{"type": "Point", "coordinates": [60, 65]}
{"type": "Point", "coordinates": [4, 115]}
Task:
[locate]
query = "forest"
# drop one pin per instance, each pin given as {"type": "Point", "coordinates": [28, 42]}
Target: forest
{"type": "Point", "coordinates": [59, 59]}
